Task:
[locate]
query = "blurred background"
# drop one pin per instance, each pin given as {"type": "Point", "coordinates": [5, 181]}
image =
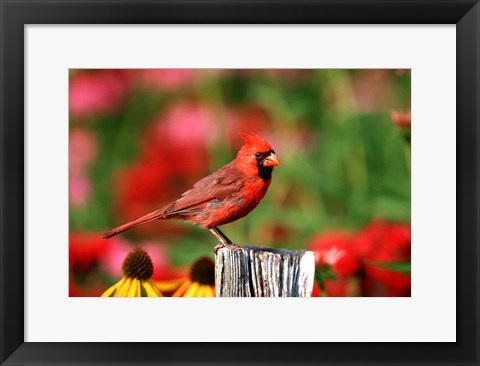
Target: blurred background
{"type": "Point", "coordinates": [139, 138]}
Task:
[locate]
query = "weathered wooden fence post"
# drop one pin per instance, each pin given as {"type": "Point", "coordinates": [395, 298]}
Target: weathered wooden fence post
{"type": "Point", "coordinates": [263, 272]}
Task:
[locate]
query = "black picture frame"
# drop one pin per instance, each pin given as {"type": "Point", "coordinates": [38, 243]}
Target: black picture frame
{"type": "Point", "coordinates": [15, 14]}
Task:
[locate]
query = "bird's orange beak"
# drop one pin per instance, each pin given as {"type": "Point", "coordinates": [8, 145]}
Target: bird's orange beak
{"type": "Point", "coordinates": [271, 160]}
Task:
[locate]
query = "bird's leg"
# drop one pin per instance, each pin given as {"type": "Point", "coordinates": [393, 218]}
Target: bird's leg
{"type": "Point", "coordinates": [221, 237]}
{"type": "Point", "coordinates": [224, 241]}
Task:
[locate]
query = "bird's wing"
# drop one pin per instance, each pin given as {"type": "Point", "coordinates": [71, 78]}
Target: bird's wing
{"type": "Point", "coordinates": [218, 185]}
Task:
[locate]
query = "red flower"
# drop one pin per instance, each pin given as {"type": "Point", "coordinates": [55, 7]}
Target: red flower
{"type": "Point", "coordinates": [337, 288]}
{"type": "Point", "coordinates": [336, 250]}
{"type": "Point", "coordinates": [395, 281]}
{"type": "Point", "coordinates": [153, 179]}
{"type": "Point", "coordinates": [381, 234]}
{"type": "Point", "coordinates": [401, 119]}
{"type": "Point", "coordinates": [383, 242]}
{"type": "Point", "coordinates": [173, 156]}
{"type": "Point", "coordinates": [86, 250]}
{"type": "Point", "coordinates": [340, 287]}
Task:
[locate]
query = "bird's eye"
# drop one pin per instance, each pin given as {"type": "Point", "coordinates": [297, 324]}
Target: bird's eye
{"type": "Point", "coordinates": [257, 155]}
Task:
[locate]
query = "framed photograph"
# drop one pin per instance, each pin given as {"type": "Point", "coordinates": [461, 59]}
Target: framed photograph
{"type": "Point", "coordinates": [141, 137]}
{"type": "Point", "coordinates": [337, 139]}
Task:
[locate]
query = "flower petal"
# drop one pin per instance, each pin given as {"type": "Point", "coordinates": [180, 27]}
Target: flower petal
{"type": "Point", "coordinates": [152, 283]}
{"type": "Point", "coordinates": [181, 290]}
{"type": "Point", "coordinates": [133, 287]}
{"type": "Point", "coordinates": [122, 290]}
{"type": "Point", "coordinates": [112, 288]}
{"type": "Point", "coordinates": [210, 291]}
{"type": "Point", "coordinates": [138, 288]}
{"type": "Point", "coordinates": [201, 291]}
{"type": "Point", "coordinates": [150, 289]}
{"type": "Point", "coordinates": [192, 290]}
{"type": "Point", "coordinates": [171, 285]}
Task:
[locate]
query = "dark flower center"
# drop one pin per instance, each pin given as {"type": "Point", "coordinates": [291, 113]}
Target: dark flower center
{"type": "Point", "coordinates": [138, 265]}
{"type": "Point", "coordinates": [203, 272]}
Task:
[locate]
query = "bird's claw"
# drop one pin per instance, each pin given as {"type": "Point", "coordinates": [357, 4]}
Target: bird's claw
{"type": "Point", "coordinates": [226, 245]}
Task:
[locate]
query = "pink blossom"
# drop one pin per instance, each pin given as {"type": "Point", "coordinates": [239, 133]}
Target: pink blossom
{"type": "Point", "coordinates": [371, 90]}
{"type": "Point", "coordinates": [82, 150]}
{"type": "Point", "coordinates": [82, 147]}
{"type": "Point", "coordinates": [187, 124]}
{"type": "Point", "coordinates": [121, 247]}
{"type": "Point", "coordinates": [97, 92]}
{"type": "Point", "coordinates": [185, 131]}
{"type": "Point", "coordinates": [79, 189]}
{"type": "Point", "coordinates": [167, 79]}
{"type": "Point", "coordinates": [114, 258]}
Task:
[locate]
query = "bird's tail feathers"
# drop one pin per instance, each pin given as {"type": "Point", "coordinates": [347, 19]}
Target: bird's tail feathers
{"type": "Point", "coordinates": [159, 214]}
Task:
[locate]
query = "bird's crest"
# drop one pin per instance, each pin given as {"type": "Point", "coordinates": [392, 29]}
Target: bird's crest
{"type": "Point", "coordinates": [256, 142]}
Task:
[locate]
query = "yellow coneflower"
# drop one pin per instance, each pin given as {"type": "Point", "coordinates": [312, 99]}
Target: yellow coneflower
{"type": "Point", "coordinates": [200, 283]}
{"type": "Point", "coordinates": [137, 270]}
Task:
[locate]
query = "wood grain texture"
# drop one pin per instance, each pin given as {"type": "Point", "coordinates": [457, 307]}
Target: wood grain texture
{"type": "Point", "coordinates": [252, 271]}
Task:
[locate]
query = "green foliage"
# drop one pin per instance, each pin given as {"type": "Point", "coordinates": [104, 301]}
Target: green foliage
{"type": "Point", "coordinates": [324, 273]}
{"type": "Point", "coordinates": [353, 168]}
{"type": "Point", "coordinates": [402, 267]}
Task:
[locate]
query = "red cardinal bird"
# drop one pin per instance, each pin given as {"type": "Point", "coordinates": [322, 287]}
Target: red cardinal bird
{"type": "Point", "coordinates": [226, 195]}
